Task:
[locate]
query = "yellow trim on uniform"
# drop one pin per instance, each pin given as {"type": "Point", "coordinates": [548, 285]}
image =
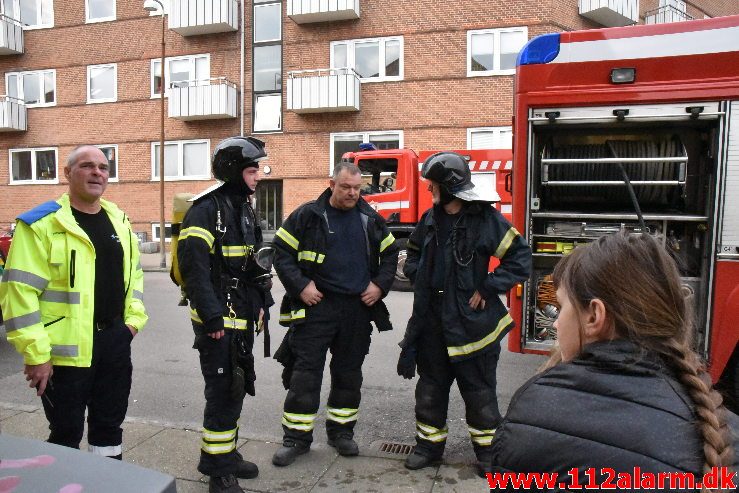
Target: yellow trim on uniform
{"type": "Point", "coordinates": [228, 323]}
{"type": "Point", "coordinates": [236, 250]}
{"type": "Point", "coordinates": [342, 416]}
{"type": "Point", "coordinates": [219, 436]}
{"type": "Point", "coordinates": [311, 256]}
{"type": "Point", "coordinates": [477, 345]}
{"type": "Point", "coordinates": [217, 448]}
{"type": "Point", "coordinates": [389, 240]}
{"type": "Point", "coordinates": [287, 238]}
{"type": "Point", "coordinates": [300, 422]}
{"type": "Point", "coordinates": [431, 433]}
{"type": "Point", "coordinates": [196, 232]}
{"type": "Point", "coordinates": [481, 437]}
{"type": "Point", "coordinates": [506, 242]}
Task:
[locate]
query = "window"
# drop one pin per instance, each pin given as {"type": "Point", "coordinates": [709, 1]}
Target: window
{"type": "Point", "coordinates": [379, 59]}
{"type": "Point", "coordinates": [35, 88]}
{"type": "Point", "coordinates": [111, 152]}
{"type": "Point", "coordinates": [494, 51]}
{"type": "Point", "coordinates": [179, 69]}
{"type": "Point", "coordinates": [167, 232]}
{"type": "Point", "coordinates": [267, 67]}
{"type": "Point", "coordinates": [490, 138]}
{"type": "Point", "coordinates": [34, 14]}
{"type": "Point", "coordinates": [347, 142]}
{"type": "Point", "coordinates": [100, 10]}
{"type": "Point", "coordinates": [269, 205]}
{"type": "Point", "coordinates": [677, 4]}
{"type": "Point", "coordinates": [102, 83]}
{"type": "Point", "coordinates": [183, 160]}
{"type": "Point", "coordinates": [33, 165]}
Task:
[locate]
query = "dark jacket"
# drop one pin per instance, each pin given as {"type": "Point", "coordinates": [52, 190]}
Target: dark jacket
{"type": "Point", "coordinates": [611, 407]}
{"type": "Point", "coordinates": [482, 232]}
{"type": "Point", "coordinates": [206, 271]}
{"type": "Point", "coordinates": [301, 246]}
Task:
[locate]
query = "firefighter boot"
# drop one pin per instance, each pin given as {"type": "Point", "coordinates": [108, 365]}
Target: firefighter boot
{"type": "Point", "coordinates": [289, 451]}
{"type": "Point", "coordinates": [245, 469]}
{"type": "Point", "coordinates": [224, 484]}
{"type": "Point", "coordinates": [484, 461]}
{"type": "Point", "coordinates": [418, 461]}
{"type": "Point", "coordinates": [344, 445]}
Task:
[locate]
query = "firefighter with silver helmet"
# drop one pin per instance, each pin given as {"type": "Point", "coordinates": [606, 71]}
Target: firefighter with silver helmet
{"type": "Point", "coordinates": [228, 291]}
{"type": "Point", "coordinates": [458, 318]}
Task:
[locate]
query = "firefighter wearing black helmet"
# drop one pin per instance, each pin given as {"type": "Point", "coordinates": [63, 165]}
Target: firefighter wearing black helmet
{"type": "Point", "coordinates": [227, 302]}
{"type": "Point", "coordinates": [458, 319]}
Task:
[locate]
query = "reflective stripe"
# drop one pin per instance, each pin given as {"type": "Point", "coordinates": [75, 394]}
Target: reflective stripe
{"type": "Point", "coordinates": [22, 321]}
{"type": "Point", "coordinates": [481, 437]}
{"type": "Point", "coordinates": [217, 448]}
{"type": "Point", "coordinates": [311, 256]}
{"type": "Point", "coordinates": [24, 277]}
{"type": "Point", "coordinates": [300, 422]}
{"type": "Point", "coordinates": [228, 323]}
{"type": "Point", "coordinates": [389, 240]}
{"type": "Point", "coordinates": [236, 250]}
{"type": "Point", "coordinates": [138, 295]}
{"type": "Point", "coordinates": [341, 415]}
{"type": "Point", "coordinates": [68, 297]}
{"type": "Point", "coordinates": [477, 345]}
{"type": "Point", "coordinates": [505, 243]}
{"type": "Point", "coordinates": [196, 232]}
{"type": "Point", "coordinates": [296, 314]}
{"type": "Point", "coordinates": [71, 350]}
{"type": "Point", "coordinates": [219, 436]}
{"type": "Point", "coordinates": [285, 317]}
{"type": "Point", "coordinates": [287, 238]}
{"type": "Point", "coordinates": [431, 433]}
{"type": "Point", "coordinates": [108, 451]}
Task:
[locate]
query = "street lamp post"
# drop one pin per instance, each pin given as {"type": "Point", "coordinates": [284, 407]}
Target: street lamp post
{"type": "Point", "coordinates": [151, 6]}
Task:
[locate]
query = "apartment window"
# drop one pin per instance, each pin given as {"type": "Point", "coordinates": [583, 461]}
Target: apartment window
{"type": "Point", "coordinates": [269, 205]}
{"type": "Point", "coordinates": [33, 165]}
{"type": "Point", "coordinates": [183, 160]}
{"type": "Point", "coordinates": [490, 138]}
{"type": "Point", "coordinates": [34, 14]}
{"type": "Point", "coordinates": [167, 232]}
{"type": "Point", "coordinates": [35, 88]}
{"type": "Point", "coordinates": [102, 83]}
{"type": "Point", "coordinates": [179, 70]}
{"type": "Point", "coordinates": [100, 10]}
{"type": "Point", "coordinates": [111, 153]}
{"type": "Point", "coordinates": [494, 51]}
{"type": "Point", "coordinates": [349, 142]}
{"type": "Point", "coordinates": [267, 67]}
{"type": "Point", "coordinates": [379, 59]}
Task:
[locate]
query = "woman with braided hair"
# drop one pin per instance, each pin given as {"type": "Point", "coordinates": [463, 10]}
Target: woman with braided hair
{"type": "Point", "coordinates": [624, 388]}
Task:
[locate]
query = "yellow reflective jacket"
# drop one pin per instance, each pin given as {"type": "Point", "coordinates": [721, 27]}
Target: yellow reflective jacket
{"type": "Point", "coordinates": [48, 287]}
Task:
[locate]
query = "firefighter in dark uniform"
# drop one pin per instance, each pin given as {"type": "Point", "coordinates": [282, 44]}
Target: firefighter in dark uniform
{"type": "Point", "coordinates": [227, 301]}
{"type": "Point", "coordinates": [458, 319]}
{"type": "Point", "coordinates": [337, 259]}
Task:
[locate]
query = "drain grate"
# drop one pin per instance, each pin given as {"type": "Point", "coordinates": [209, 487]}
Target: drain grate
{"type": "Point", "coordinates": [396, 448]}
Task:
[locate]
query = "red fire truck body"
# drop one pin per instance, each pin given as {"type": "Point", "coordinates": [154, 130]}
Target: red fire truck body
{"type": "Point", "coordinates": [393, 185]}
{"type": "Point", "coordinates": [662, 100]}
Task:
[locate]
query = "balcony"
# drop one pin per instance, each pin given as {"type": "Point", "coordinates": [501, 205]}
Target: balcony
{"type": "Point", "coordinates": [12, 115]}
{"type": "Point", "coordinates": [307, 11]}
{"type": "Point", "coordinates": [195, 17]}
{"type": "Point", "coordinates": [666, 14]}
{"type": "Point", "coordinates": [611, 13]}
{"type": "Point", "coordinates": [11, 36]}
{"type": "Point", "coordinates": [323, 90]}
{"type": "Point", "coordinates": [207, 99]}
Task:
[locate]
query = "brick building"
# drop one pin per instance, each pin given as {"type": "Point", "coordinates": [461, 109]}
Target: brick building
{"type": "Point", "coordinates": [435, 74]}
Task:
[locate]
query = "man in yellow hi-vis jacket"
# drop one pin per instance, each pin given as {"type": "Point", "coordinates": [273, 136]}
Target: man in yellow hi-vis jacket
{"type": "Point", "coordinates": [72, 296]}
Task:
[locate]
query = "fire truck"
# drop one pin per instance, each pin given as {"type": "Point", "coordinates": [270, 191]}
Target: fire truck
{"type": "Point", "coordinates": [393, 185]}
{"type": "Point", "coordinates": [660, 102]}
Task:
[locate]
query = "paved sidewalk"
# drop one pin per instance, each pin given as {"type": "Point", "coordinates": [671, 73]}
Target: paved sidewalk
{"type": "Point", "coordinates": [174, 451]}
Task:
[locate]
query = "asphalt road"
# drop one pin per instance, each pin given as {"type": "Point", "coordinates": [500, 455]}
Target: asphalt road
{"type": "Point", "coordinates": [168, 386]}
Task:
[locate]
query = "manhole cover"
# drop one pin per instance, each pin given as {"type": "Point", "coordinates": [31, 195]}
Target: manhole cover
{"type": "Point", "coordinates": [391, 449]}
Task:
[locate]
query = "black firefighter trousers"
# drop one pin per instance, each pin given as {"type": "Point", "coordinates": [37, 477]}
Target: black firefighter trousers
{"type": "Point", "coordinates": [476, 379]}
{"type": "Point", "coordinates": [341, 324]}
{"type": "Point", "coordinates": [102, 389]}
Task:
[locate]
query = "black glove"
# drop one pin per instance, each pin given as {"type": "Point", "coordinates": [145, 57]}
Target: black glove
{"type": "Point", "coordinates": [407, 362]}
{"type": "Point", "coordinates": [214, 325]}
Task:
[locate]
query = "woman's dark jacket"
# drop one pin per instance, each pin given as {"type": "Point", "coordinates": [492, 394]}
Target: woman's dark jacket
{"type": "Point", "coordinates": [480, 232]}
{"type": "Point", "coordinates": [611, 407]}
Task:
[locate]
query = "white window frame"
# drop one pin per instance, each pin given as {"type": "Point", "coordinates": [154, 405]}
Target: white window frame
{"type": "Point", "coordinates": [180, 160]}
{"type": "Point", "coordinates": [31, 27]}
{"type": "Point", "coordinates": [34, 180]}
{"type": "Point", "coordinates": [351, 60]}
{"type": "Point", "coordinates": [262, 6]}
{"type": "Point", "coordinates": [365, 136]}
{"type": "Point", "coordinates": [117, 162]}
{"type": "Point", "coordinates": [277, 95]}
{"type": "Point", "coordinates": [496, 51]}
{"type": "Point", "coordinates": [19, 87]}
{"type": "Point", "coordinates": [88, 20]}
{"type": "Point", "coordinates": [155, 236]}
{"type": "Point", "coordinates": [497, 131]}
{"type": "Point", "coordinates": [168, 61]}
{"type": "Point", "coordinates": [90, 68]}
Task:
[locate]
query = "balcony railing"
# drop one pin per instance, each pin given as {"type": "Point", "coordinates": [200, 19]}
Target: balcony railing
{"type": "Point", "coordinates": [11, 36]}
{"type": "Point", "coordinates": [323, 90]}
{"type": "Point", "coordinates": [193, 17]}
{"type": "Point", "coordinates": [12, 115]}
{"type": "Point", "coordinates": [666, 14]}
{"type": "Point", "coordinates": [205, 99]}
{"type": "Point", "coordinates": [611, 13]}
{"type": "Point", "coordinates": [306, 11]}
